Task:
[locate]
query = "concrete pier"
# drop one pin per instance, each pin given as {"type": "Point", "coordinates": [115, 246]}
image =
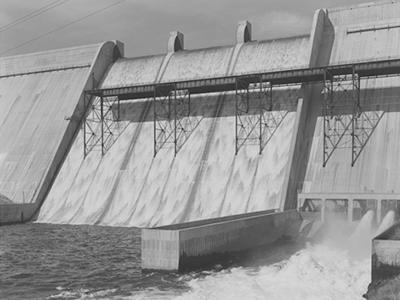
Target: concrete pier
{"type": "Point", "coordinates": [183, 246]}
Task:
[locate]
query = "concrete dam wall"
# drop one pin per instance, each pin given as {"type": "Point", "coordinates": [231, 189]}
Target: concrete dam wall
{"type": "Point", "coordinates": [130, 187]}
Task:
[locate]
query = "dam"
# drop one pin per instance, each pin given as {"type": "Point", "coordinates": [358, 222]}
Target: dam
{"type": "Point", "coordinates": [307, 122]}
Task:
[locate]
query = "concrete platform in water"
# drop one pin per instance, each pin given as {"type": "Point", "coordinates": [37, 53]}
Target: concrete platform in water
{"type": "Point", "coordinates": [185, 246]}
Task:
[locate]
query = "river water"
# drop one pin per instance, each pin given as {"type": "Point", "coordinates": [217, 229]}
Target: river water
{"type": "Point", "coordinates": [45, 261]}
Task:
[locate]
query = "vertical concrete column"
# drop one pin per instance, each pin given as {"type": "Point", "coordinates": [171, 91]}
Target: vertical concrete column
{"type": "Point", "coordinates": [350, 210]}
{"type": "Point", "coordinates": [243, 34]}
{"type": "Point", "coordinates": [323, 208]}
{"type": "Point", "coordinates": [299, 202]}
{"type": "Point", "coordinates": [300, 145]}
{"type": "Point", "coordinates": [379, 210]}
{"type": "Point", "coordinates": [175, 42]}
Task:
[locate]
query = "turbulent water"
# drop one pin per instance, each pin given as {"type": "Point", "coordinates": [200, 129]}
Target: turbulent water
{"type": "Point", "coordinates": [43, 261]}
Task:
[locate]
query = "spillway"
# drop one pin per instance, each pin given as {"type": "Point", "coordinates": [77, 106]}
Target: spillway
{"type": "Point", "coordinates": [130, 187]}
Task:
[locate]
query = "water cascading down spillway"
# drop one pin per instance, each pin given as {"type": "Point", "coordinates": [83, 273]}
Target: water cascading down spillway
{"type": "Point", "coordinates": [129, 186]}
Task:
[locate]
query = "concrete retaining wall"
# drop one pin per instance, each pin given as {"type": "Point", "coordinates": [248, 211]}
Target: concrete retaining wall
{"type": "Point", "coordinates": [167, 248]}
{"type": "Point", "coordinates": [16, 213]}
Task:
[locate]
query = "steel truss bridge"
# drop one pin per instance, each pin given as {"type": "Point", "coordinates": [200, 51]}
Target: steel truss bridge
{"type": "Point", "coordinates": [255, 119]}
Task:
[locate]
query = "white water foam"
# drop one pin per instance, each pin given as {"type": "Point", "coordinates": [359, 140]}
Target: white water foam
{"type": "Point", "coordinates": [329, 270]}
{"type": "Point", "coordinates": [387, 221]}
{"type": "Point", "coordinates": [316, 272]}
{"type": "Point", "coordinates": [83, 294]}
{"type": "Point", "coordinates": [320, 272]}
{"type": "Point", "coordinates": [359, 243]}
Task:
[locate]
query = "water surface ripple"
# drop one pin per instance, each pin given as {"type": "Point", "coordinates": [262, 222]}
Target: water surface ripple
{"type": "Point", "coordinates": [38, 261]}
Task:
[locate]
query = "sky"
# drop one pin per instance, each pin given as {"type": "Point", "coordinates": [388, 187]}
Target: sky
{"type": "Point", "coordinates": [144, 26]}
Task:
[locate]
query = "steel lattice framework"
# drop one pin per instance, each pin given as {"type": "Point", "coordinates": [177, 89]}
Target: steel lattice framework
{"type": "Point", "coordinates": [364, 125]}
{"type": "Point", "coordinates": [186, 123]}
{"type": "Point", "coordinates": [102, 125]}
{"type": "Point", "coordinates": [173, 123]}
{"type": "Point", "coordinates": [343, 130]}
{"type": "Point", "coordinates": [164, 116]}
{"type": "Point", "coordinates": [92, 124]}
{"type": "Point", "coordinates": [256, 121]}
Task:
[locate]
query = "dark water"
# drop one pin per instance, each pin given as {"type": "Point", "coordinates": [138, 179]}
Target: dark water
{"type": "Point", "coordinates": [48, 261]}
{"type": "Point", "coordinates": [42, 261]}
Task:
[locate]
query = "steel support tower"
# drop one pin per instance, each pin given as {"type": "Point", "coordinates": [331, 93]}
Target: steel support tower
{"type": "Point", "coordinates": [346, 125]}
{"type": "Point", "coordinates": [173, 123]}
{"type": "Point", "coordinates": [164, 116]}
{"type": "Point", "coordinates": [102, 124]}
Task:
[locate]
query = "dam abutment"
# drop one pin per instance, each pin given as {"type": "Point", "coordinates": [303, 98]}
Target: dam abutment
{"type": "Point", "coordinates": [33, 186]}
